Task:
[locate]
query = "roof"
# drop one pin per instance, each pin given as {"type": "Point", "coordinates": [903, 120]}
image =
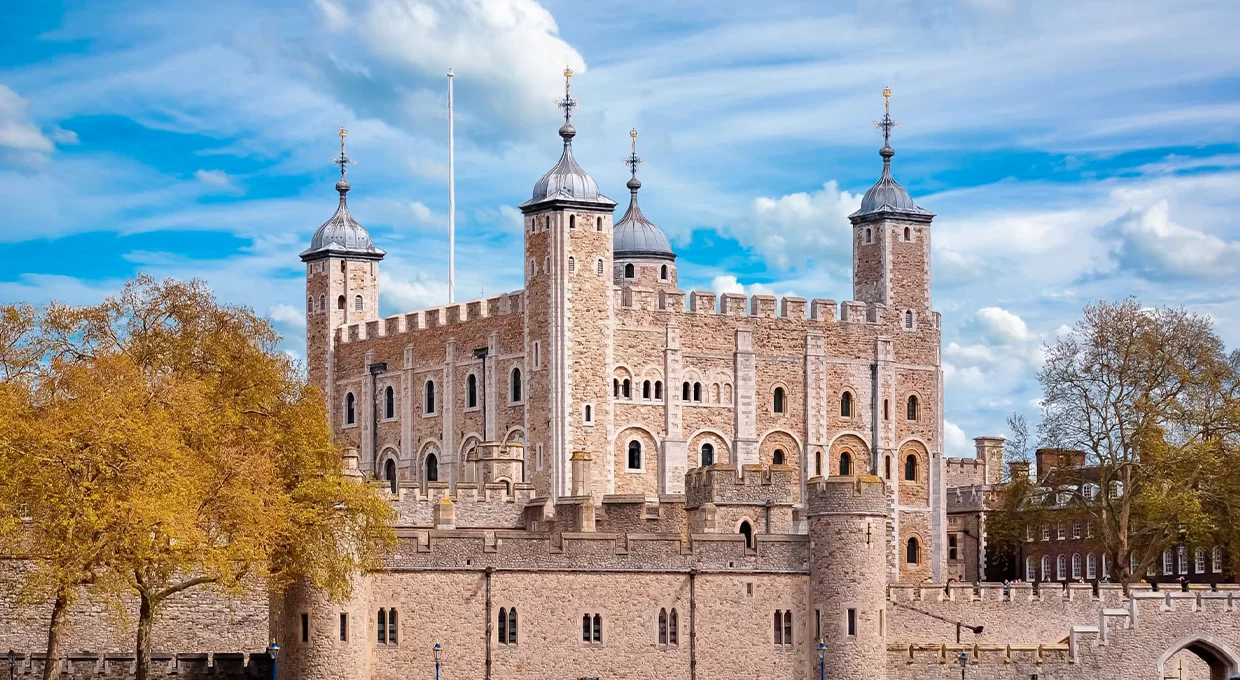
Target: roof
{"type": "Point", "coordinates": [887, 196]}
{"type": "Point", "coordinates": [566, 181]}
{"type": "Point", "coordinates": [341, 235]}
{"type": "Point", "coordinates": [636, 236]}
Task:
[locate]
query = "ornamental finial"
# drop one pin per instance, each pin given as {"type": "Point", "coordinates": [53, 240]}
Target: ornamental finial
{"type": "Point", "coordinates": [886, 123]}
{"type": "Point", "coordinates": [568, 103]}
{"type": "Point", "coordinates": [633, 160]}
{"type": "Point", "coordinates": [343, 159]}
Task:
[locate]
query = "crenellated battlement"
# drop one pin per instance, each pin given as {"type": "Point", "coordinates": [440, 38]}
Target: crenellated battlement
{"type": "Point", "coordinates": [437, 317]}
{"type": "Point", "coordinates": [721, 485]}
{"type": "Point", "coordinates": [477, 504]}
{"type": "Point", "coordinates": [755, 307]}
{"type": "Point", "coordinates": [120, 666]}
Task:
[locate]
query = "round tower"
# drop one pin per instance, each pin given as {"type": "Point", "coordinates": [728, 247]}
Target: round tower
{"type": "Point", "coordinates": [848, 575]}
{"type": "Point", "coordinates": [643, 255]}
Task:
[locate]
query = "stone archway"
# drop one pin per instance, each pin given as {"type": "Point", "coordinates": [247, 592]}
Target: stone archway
{"type": "Point", "coordinates": [1223, 663]}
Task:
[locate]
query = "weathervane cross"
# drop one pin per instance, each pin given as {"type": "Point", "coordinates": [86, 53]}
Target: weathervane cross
{"type": "Point", "coordinates": [633, 160]}
{"type": "Point", "coordinates": [886, 123]}
{"type": "Point", "coordinates": [567, 103]}
{"type": "Point", "coordinates": [343, 159]}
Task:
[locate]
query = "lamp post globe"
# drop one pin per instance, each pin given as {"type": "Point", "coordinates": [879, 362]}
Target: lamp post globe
{"type": "Point", "coordinates": [822, 659]}
{"type": "Point", "coordinates": [438, 648]}
{"type": "Point", "coordinates": [964, 660]}
{"type": "Point", "coordinates": [12, 660]}
{"type": "Point", "coordinates": [273, 650]}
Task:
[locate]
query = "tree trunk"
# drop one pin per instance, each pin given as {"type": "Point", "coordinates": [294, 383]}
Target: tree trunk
{"type": "Point", "coordinates": [145, 614]}
{"type": "Point", "coordinates": [59, 609]}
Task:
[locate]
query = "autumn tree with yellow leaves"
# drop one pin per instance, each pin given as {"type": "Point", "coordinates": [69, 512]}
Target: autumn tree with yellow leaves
{"type": "Point", "coordinates": [159, 442]}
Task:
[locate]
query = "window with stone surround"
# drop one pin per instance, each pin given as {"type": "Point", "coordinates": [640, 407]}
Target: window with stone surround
{"type": "Point", "coordinates": [779, 405]}
{"type": "Point", "coordinates": [342, 266]}
{"type": "Point", "coordinates": [708, 454]}
{"type": "Point", "coordinates": [912, 551]}
{"type": "Point", "coordinates": [886, 409]}
{"type": "Point", "coordinates": [634, 460]}
{"type": "Point", "coordinates": [432, 467]}
{"type": "Point", "coordinates": [1031, 573]}
{"type": "Point", "coordinates": [305, 627]}
{"type": "Point", "coordinates": [869, 235]}
{"type": "Point", "coordinates": [658, 390]}
{"type": "Point", "coordinates": [910, 468]}
{"type": "Point", "coordinates": [662, 626]}
{"type": "Point", "coordinates": [697, 392]}
{"type": "Point", "coordinates": [507, 626]}
{"type": "Point", "coordinates": [663, 273]}
{"type": "Point", "coordinates": [673, 628]}
{"type": "Point", "coordinates": [777, 458]}
{"type": "Point", "coordinates": [471, 391]}
{"type": "Point", "coordinates": [1046, 567]}
{"type": "Point", "coordinates": [782, 628]}
{"type": "Point", "coordinates": [598, 266]}
{"type": "Point", "coordinates": [428, 403]}
{"type": "Point", "coordinates": [515, 394]}
{"type": "Point", "coordinates": [357, 303]}
{"type": "Point", "coordinates": [389, 403]}
{"type": "Point", "coordinates": [389, 473]}
{"type": "Point", "coordinates": [599, 223]}
{"type": "Point", "coordinates": [572, 265]}
{"type": "Point", "coordinates": [629, 271]}
{"type": "Point", "coordinates": [626, 388]}
{"type": "Point", "coordinates": [309, 304]}
{"type": "Point", "coordinates": [646, 389]}
{"type": "Point", "coordinates": [851, 623]}
{"type": "Point", "coordinates": [908, 234]}
{"type": "Point", "coordinates": [1076, 530]}
{"type": "Point", "coordinates": [684, 392]}
{"type": "Point", "coordinates": [350, 409]}
{"type": "Point", "coordinates": [592, 629]}
{"type": "Point", "coordinates": [340, 303]}
{"type": "Point", "coordinates": [887, 467]}
{"type": "Point", "coordinates": [953, 547]}
{"type": "Point", "coordinates": [1076, 567]}
{"type": "Point", "coordinates": [746, 530]}
{"type": "Point", "coordinates": [322, 303]}
{"type": "Point", "coordinates": [908, 320]}
{"type": "Point", "coordinates": [588, 414]}
{"type": "Point", "coordinates": [344, 627]}
{"type": "Point", "coordinates": [1091, 567]}
{"type": "Point", "coordinates": [845, 464]}
{"type": "Point", "coordinates": [1061, 568]}
{"type": "Point", "coordinates": [846, 405]}
{"type": "Point", "coordinates": [1216, 560]}
{"type": "Point", "coordinates": [572, 221]}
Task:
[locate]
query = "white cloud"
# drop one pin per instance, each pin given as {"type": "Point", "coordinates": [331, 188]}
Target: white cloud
{"type": "Point", "coordinates": [20, 138]}
{"type": "Point", "coordinates": [334, 16]}
{"type": "Point", "coordinates": [511, 45]}
{"type": "Point", "coordinates": [411, 294]}
{"type": "Point", "coordinates": [215, 178]}
{"type": "Point", "coordinates": [287, 315]}
{"type": "Point", "coordinates": [1003, 326]}
{"type": "Point", "coordinates": [955, 443]}
{"type": "Point", "coordinates": [730, 284]}
{"type": "Point", "coordinates": [423, 215]}
{"type": "Point", "coordinates": [795, 229]}
{"type": "Point", "coordinates": [1152, 245]}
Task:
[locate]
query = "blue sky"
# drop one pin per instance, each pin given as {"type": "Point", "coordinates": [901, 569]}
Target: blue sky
{"type": "Point", "coordinates": [1072, 151]}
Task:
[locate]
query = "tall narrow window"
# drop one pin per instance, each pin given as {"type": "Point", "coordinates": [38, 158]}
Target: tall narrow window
{"type": "Point", "coordinates": [309, 304]}
{"type": "Point", "coordinates": [357, 303]}
{"type": "Point", "coordinates": [708, 454]}
{"type": "Point", "coordinates": [342, 266]}
{"type": "Point", "coordinates": [585, 627]}
{"type": "Point", "coordinates": [340, 302]}
{"type": "Point", "coordinates": [429, 405]}
{"type": "Point", "coordinates": [598, 267]}
{"type": "Point", "coordinates": [628, 271]}
{"type": "Point", "coordinates": [599, 224]}
{"type": "Point", "coordinates": [697, 392]}
{"type": "Point", "coordinates": [344, 627]}
{"type": "Point", "coordinates": [1091, 567]}
{"type": "Point", "coordinates": [322, 303]}
{"type": "Point", "coordinates": [1046, 567]}
{"type": "Point", "coordinates": [305, 627]}
{"type": "Point", "coordinates": [908, 319]}
{"type": "Point", "coordinates": [887, 467]}
{"type": "Point", "coordinates": [389, 402]}
{"type": "Point", "coordinates": [572, 221]}
{"type": "Point", "coordinates": [818, 463]}
{"type": "Point", "coordinates": [512, 626]}
{"type": "Point", "coordinates": [391, 626]}
{"type": "Point", "coordinates": [778, 406]}
{"type": "Point", "coordinates": [953, 547]}
{"type": "Point", "coordinates": [598, 628]}
{"type": "Point", "coordinates": [389, 473]}
{"type": "Point", "coordinates": [646, 387]}
{"type": "Point", "coordinates": [663, 272]}
{"type": "Point", "coordinates": [886, 409]}
{"type": "Point", "coordinates": [910, 468]}
{"type": "Point", "coordinates": [432, 468]}
{"type": "Point", "coordinates": [663, 626]}
{"type": "Point", "coordinates": [912, 408]}
{"type": "Point", "coordinates": [626, 388]}
{"type": "Point", "coordinates": [503, 626]}
{"type": "Point", "coordinates": [747, 532]}
{"type": "Point", "coordinates": [1061, 568]}
{"type": "Point", "coordinates": [852, 621]}
{"type": "Point", "coordinates": [572, 265]}
{"type": "Point", "coordinates": [912, 551]}
{"type": "Point", "coordinates": [684, 392]}
{"type": "Point", "coordinates": [1168, 562]}
{"type": "Point", "coordinates": [615, 387]}
{"type": "Point", "coordinates": [350, 409]}
{"type": "Point", "coordinates": [515, 385]}
{"type": "Point", "coordinates": [673, 628]}
{"type": "Point", "coordinates": [908, 234]}
{"type": "Point", "coordinates": [1031, 572]}
{"type": "Point", "coordinates": [779, 627]}
{"type": "Point", "coordinates": [1076, 566]}
{"type": "Point", "coordinates": [382, 626]}
{"type": "Point", "coordinates": [1216, 560]}
{"type": "Point", "coordinates": [658, 390]}
{"type": "Point", "coordinates": [787, 627]}
{"type": "Point", "coordinates": [845, 464]}
{"type": "Point", "coordinates": [869, 235]}
{"type": "Point", "coordinates": [471, 391]}
{"type": "Point", "coordinates": [635, 455]}
{"type": "Point", "coordinates": [589, 413]}
{"type": "Point", "coordinates": [846, 405]}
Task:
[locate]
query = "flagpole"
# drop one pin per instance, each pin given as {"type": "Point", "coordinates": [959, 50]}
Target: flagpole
{"type": "Point", "coordinates": [451, 197]}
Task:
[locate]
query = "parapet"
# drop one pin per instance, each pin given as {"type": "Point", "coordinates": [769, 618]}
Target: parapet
{"type": "Point", "coordinates": [438, 317]}
{"type": "Point", "coordinates": [221, 665]}
{"type": "Point", "coordinates": [863, 495]}
{"type": "Point", "coordinates": [481, 505]}
{"type": "Point", "coordinates": [756, 306]}
{"type": "Point", "coordinates": [720, 485]}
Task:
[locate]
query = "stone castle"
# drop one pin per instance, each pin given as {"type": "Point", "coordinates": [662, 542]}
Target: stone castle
{"type": "Point", "coordinates": [603, 476]}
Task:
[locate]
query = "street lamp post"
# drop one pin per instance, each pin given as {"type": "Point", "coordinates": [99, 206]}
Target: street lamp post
{"type": "Point", "coordinates": [964, 660]}
{"type": "Point", "coordinates": [438, 648]}
{"type": "Point", "coordinates": [822, 660]}
{"type": "Point", "coordinates": [12, 660]}
{"type": "Point", "coordinates": [273, 650]}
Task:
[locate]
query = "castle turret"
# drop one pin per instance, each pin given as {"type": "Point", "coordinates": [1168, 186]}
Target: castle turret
{"type": "Point", "coordinates": [848, 574]}
{"type": "Point", "coordinates": [568, 316]}
{"type": "Point", "coordinates": [342, 287]}
{"type": "Point", "coordinates": [644, 256]}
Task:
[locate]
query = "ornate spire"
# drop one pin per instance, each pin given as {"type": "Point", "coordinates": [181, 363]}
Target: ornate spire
{"type": "Point", "coordinates": [885, 124]}
{"type": "Point", "coordinates": [344, 162]}
{"type": "Point", "coordinates": [567, 131]}
{"type": "Point", "coordinates": [633, 160]}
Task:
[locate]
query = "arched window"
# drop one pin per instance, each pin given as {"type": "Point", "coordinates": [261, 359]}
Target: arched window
{"type": "Point", "coordinates": [673, 628]}
{"type": "Point", "coordinates": [342, 266]}
{"type": "Point", "coordinates": [322, 303]}
{"type": "Point", "coordinates": [1076, 566]}
{"type": "Point", "coordinates": [572, 265]}
{"type": "Point", "coordinates": [350, 409]}
{"type": "Point", "coordinates": [658, 389]}
{"type": "Point", "coordinates": [391, 626]}
{"type": "Point", "coordinates": [663, 272]}
{"type": "Point", "coordinates": [912, 552]}
{"type": "Point", "coordinates": [714, 393]}
{"type": "Point", "coordinates": [747, 532]}
{"type": "Point", "coordinates": [515, 385]}
{"type": "Point", "coordinates": [572, 221]}
{"type": "Point", "coordinates": [886, 409]}
{"type": "Point", "coordinates": [818, 463]}
{"type": "Point", "coordinates": [663, 626]}
{"type": "Point", "coordinates": [910, 468]}
{"type": "Point", "coordinates": [635, 455]}
{"type": "Point", "coordinates": [503, 626]}
{"type": "Point", "coordinates": [471, 391]}
{"type": "Point", "coordinates": [598, 628]}
{"type": "Point", "coordinates": [389, 473]}
{"type": "Point", "coordinates": [1031, 572]}
{"type": "Point", "coordinates": [615, 387]}
{"type": "Point", "coordinates": [1216, 560]}
{"type": "Point", "coordinates": [357, 303]}
{"type": "Point", "coordinates": [309, 304]}
{"type": "Point", "coordinates": [708, 453]}
{"type": "Point", "coordinates": [599, 222]}
{"type": "Point", "coordinates": [589, 413]}
{"type": "Point", "coordinates": [869, 235]}
{"type": "Point", "coordinates": [512, 626]}
{"type": "Point", "coordinates": [777, 458]}
{"type": "Point", "coordinates": [382, 624]}
{"type": "Point", "coordinates": [845, 464]}
{"type": "Point", "coordinates": [787, 627]}
{"type": "Point", "coordinates": [646, 389]}
{"type": "Point", "coordinates": [846, 405]}
{"type": "Point", "coordinates": [340, 302]}
{"type": "Point", "coordinates": [684, 392]}
{"type": "Point", "coordinates": [389, 402]}
{"type": "Point", "coordinates": [429, 405]}
{"type": "Point", "coordinates": [912, 408]}
{"type": "Point", "coordinates": [908, 234]}
{"type": "Point", "coordinates": [625, 388]}
{"type": "Point", "coordinates": [778, 406]}
{"type": "Point", "coordinates": [1046, 567]}
{"type": "Point", "coordinates": [1091, 567]}
{"type": "Point", "coordinates": [908, 318]}
{"type": "Point", "coordinates": [779, 627]}
{"type": "Point", "coordinates": [697, 392]}
{"type": "Point", "coordinates": [628, 271]}
{"type": "Point", "coordinates": [887, 467]}
{"type": "Point", "coordinates": [1061, 568]}
{"type": "Point", "coordinates": [432, 468]}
